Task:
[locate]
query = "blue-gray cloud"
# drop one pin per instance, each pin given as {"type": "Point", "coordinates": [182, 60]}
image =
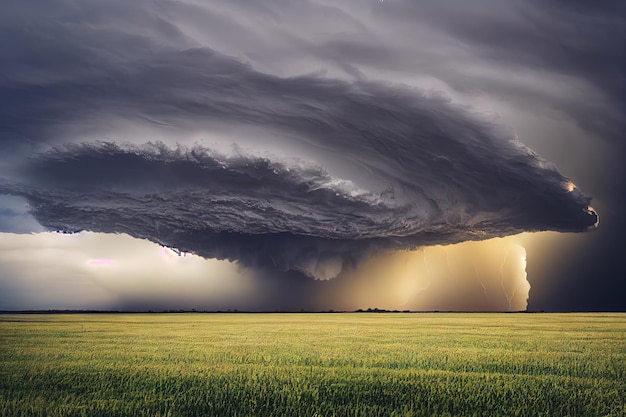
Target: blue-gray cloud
{"type": "Point", "coordinates": [15, 216]}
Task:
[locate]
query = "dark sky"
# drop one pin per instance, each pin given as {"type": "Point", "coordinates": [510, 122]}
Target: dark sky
{"type": "Point", "coordinates": [312, 154]}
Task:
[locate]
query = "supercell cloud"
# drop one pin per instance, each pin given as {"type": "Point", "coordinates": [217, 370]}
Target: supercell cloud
{"type": "Point", "coordinates": [113, 126]}
{"type": "Point", "coordinates": [426, 173]}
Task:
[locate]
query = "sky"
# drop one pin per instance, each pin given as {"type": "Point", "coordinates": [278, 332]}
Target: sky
{"type": "Point", "coordinates": [312, 155]}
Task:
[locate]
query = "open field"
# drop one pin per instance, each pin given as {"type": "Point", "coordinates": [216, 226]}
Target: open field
{"type": "Point", "coordinates": [357, 364]}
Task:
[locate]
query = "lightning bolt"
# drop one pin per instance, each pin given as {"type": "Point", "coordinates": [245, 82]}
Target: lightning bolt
{"type": "Point", "coordinates": [506, 255]}
{"type": "Point", "coordinates": [478, 277]}
{"type": "Point", "coordinates": [523, 264]}
{"type": "Point", "coordinates": [430, 280]}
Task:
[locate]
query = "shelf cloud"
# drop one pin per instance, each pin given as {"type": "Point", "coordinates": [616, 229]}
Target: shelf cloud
{"type": "Point", "coordinates": [442, 178]}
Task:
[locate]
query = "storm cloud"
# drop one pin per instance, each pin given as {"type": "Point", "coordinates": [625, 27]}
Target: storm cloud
{"type": "Point", "coordinates": [316, 173]}
{"type": "Point", "coordinates": [313, 137]}
{"type": "Point", "coordinates": [444, 180]}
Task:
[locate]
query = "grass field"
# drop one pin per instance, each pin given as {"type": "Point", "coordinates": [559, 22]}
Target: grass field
{"type": "Point", "coordinates": [360, 364]}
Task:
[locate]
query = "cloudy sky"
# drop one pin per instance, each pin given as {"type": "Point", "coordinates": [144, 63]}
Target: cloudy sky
{"type": "Point", "coordinates": [288, 155]}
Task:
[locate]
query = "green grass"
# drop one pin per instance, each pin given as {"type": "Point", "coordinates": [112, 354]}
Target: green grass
{"type": "Point", "coordinates": [313, 365]}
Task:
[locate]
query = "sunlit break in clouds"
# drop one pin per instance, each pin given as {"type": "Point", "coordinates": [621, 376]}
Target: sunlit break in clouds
{"type": "Point", "coordinates": [307, 148]}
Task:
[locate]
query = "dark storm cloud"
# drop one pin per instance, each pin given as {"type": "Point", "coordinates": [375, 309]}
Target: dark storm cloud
{"type": "Point", "coordinates": [427, 171]}
{"type": "Point", "coordinates": [292, 215]}
{"type": "Point", "coordinates": [86, 50]}
{"type": "Point", "coordinates": [581, 42]}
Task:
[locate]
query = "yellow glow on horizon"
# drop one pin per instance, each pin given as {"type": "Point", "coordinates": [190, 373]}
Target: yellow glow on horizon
{"type": "Point", "coordinates": [485, 275]}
